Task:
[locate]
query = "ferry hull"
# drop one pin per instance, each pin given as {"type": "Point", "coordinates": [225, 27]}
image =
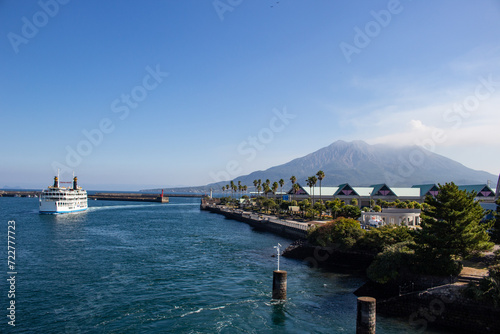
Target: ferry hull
{"type": "Point", "coordinates": [61, 212]}
{"type": "Point", "coordinates": [52, 207]}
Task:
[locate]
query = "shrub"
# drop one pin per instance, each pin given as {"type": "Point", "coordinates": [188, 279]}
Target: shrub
{"type": "Point", "coordinates": [342, 233]}
{"type": "Point", "coordinates": [488, 289]}
{"type": "Point", "coordinates": [350, 211]}
{"type": "Point", "coordinates": [376, 239]}
{"type": "Point", "coordinates": [389, 263]}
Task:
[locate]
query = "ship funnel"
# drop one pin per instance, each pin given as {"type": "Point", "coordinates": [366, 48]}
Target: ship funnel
{"type": "Point", "coordinates": [75, 183]}
{"type": "Point", "coordinates": [56, 182]}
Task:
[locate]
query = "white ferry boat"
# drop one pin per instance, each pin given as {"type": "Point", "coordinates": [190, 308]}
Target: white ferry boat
{"type": "Point", "coordinates": [56, 199]}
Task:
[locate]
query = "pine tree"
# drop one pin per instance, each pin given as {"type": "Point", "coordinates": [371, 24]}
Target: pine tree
{"type": "Point", "coordinates": [451, 228]}
{"type": "Point", "coordinates": [495, 233]}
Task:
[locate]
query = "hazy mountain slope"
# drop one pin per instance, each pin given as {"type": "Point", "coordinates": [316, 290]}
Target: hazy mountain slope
{"type": "Point", "coordinates": [361, 164]}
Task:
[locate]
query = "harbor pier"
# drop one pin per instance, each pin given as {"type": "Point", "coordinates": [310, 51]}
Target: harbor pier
{"type": "Point", "coordinates": [129, 197]}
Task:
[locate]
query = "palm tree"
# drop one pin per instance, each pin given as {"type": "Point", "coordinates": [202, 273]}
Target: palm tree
{"type": "Point", "coordinates": [259, 181]}
{"type": "Point", "coordinates": [255, 183]}
{"type": "Point", "coordinates": [311, 182]}
{"type": "Point", "coordinates": [275, 187]}
{"type": "Point", "coordinates": [282, 183]}
{"type": "Point", "coordinates": [267, 190]}
{"type": "Point", "coordinates": [321, 175]}
{"type": "Point", "coordinates": [293, 179]}
{"type": "Point", "coordinates": [295, 188]}
{"type": "Point", "coordinates": [223, 191]}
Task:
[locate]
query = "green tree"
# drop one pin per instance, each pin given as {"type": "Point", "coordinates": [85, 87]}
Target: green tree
{"type": "Point", "coordinates": [282, 183]}
{"type": "Point", "coordinates": [388, 264]}
{"type": "Point", "coordinates": [451, 229]}
{"type": "Point", "coordinates": [320, 207]}
{"type": "Point", "coordinates": [350, 211]}
{"type": "Point", "coordinates": [321, 175]}
{"type": "Point", "coordinates": [275, 187]}
{"type": "Point", "coordinates": [376, 239]}
{"type": "Point", "coordinates": [304, 205]}
{"type": "Point", "coordinates": [495, 231]}
{"type": "Point", "coordinates": [311, 182]}
{"type": "Point", "coordinates": [293, 179]}
{"type": "Point", "coordinates": [270, 204]}
{"type": "Point", "coordinates": [402, 205]}
{"type": "Point", "coordinates": [335, 207]}
{"type": "Point", "coordinates": [354, 202]}
{"type": "Point", "coordinates": [267, 189]}
{"type": "Point", "coordinates": [341, 233]}
{"type": "Point", "coordinates": [295, 188]}
{"type": "Point", "coordinates": [232, 188]}
{"type": "Point", "coordinates": [416, 205]}
{"type": "Point", "coordinates": [284, 205]}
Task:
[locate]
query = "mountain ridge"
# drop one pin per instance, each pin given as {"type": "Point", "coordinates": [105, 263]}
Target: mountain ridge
{"type": "Point", "coordinates": [361, 164]}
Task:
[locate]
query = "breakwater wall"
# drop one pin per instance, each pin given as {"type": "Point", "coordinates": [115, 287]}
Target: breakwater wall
{"type": "Point", "coordinates": [285, 228]}
{"type": "Point", "coordinates": [20, 193]}
{"type": "Point", "coordinates": [129, 197]}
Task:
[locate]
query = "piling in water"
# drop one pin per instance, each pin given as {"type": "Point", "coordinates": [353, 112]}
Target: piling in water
{"type": "Point", "coordinates": [279, 284]}
{"type": "Point", "coordinates": [366, 318]}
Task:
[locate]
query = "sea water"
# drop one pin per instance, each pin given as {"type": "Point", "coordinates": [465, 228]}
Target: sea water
{"type": "Point", "coordinates": [128, 267]}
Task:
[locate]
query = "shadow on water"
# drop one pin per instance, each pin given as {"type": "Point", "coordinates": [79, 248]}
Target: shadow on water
{"type": "Point", "coordinates": [278, 315]}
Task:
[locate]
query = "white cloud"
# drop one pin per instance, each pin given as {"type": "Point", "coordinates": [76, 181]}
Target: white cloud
{"type": "Point", "coordinates": [457, 118]}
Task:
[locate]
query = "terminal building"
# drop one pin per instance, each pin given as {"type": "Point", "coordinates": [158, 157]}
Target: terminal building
{"type": "Point", "coordinates": [363, 195]}
{"type": "Point", "coordinates": [392, 216]}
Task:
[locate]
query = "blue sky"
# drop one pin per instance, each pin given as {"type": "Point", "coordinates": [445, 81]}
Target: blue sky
{"type": "Point", "coordinates": [138, 94]}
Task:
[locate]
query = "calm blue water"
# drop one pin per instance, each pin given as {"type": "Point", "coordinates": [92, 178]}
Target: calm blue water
{"type": "Point", "coordinates": [124, 267]}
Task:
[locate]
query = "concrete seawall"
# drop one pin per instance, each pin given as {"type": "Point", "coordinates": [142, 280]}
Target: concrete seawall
{"type": "Point", "coordinates": [285, 228]}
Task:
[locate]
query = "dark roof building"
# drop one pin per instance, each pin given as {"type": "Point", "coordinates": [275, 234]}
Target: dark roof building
{"type": "Point", "coordinates": [363, 195]}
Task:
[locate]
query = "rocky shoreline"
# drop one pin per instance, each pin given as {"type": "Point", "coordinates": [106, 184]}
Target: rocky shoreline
{"type": "Point", "coordinates": [328, 257]}
{"type": "Point", "coordinates": [426, 301]}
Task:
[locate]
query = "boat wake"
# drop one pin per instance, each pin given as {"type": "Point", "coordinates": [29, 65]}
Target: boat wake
{"type": "Point", "coordinates": [119, 207]}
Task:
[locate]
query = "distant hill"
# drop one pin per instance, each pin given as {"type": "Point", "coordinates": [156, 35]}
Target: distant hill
{"type": "Point", "coordinates": [361, 164]}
